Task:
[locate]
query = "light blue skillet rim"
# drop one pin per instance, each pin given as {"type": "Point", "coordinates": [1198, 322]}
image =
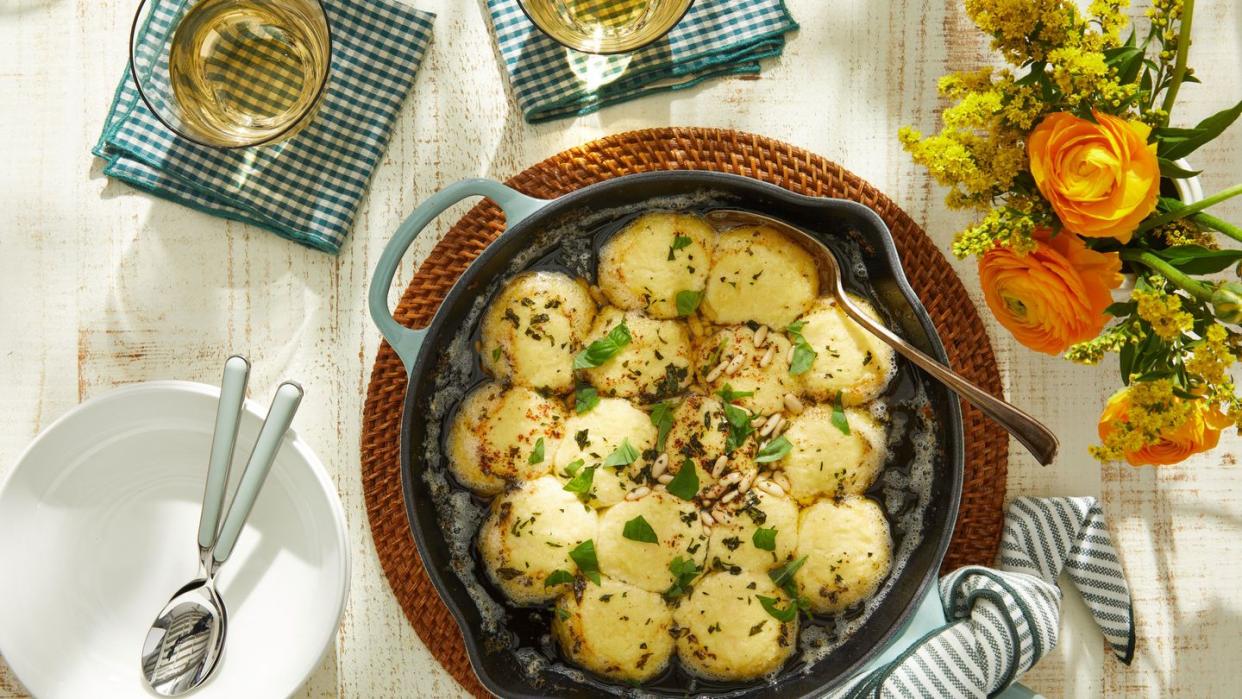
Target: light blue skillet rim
{"type": "Point", "coordinates": [517, 206]}
{"type": "Point", "coordinates": [407, 341]}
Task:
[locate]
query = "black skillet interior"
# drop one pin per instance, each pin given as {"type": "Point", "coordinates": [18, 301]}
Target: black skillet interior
{"type": "Point", "coordinates": [508, 647]}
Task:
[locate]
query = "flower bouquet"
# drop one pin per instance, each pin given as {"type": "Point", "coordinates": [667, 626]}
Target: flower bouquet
{"type": "Point", "coordinates": [1083, 245]}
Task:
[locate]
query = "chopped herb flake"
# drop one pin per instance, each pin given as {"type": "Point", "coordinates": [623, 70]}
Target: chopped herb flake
{"type": "Point", "coordinates": [684, 572]}
{"type": "Point", "coordinates": [679, 242]}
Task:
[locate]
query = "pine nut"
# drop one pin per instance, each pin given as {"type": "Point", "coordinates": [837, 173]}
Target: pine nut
{"type": "Point", "coordinates": [706, 519]}
{"type": "Point", "coordinates": [732, 477]}
{"type": "Point", "coordinates": [761, 336]}
{"type": "Point", "coordinates": [715, 373]}
{"type": "Point", "coordinates": [795, 406]}
{"type": "Point", "coordinates": [745, 484]}
{"type": "Point", "coordinates": [789, 355]}
{"type": "Point", "coordinates": [720, 515]}
{"type": "Point", "coordinates": [637, 492]}
{"type": "Point", "coordinates": [735, 364]}
{"type": "Point", "coordinates": [770, 425]}
{"type": "Point", "coordinates": [767, 357]}
{"type": "Point", "coordinates": [770, 488]}
{"type": "Point", "coordinates": [728, 497]}
{"type": "Point", "coordinates": [783, 481]}
{"type": "Point", "coordinates": [661, 487]}
{"type": "Point", "coordinates": [718, 467]}
{"type": "Point", "coordinates": [660, 466]}
{"type": "Point", "coordinates": [665, 479]}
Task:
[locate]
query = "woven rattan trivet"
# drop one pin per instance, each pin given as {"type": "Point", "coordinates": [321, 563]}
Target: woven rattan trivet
{"type": "Point", "coordinates": [979, 521]}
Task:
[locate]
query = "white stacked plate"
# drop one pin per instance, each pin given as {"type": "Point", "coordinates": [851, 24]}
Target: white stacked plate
{"type": "Point", "coordinates": [98, 524]}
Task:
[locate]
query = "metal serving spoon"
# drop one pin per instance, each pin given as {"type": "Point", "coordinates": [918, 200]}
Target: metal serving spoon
{"type": "Point", "coordinates": [185, 642]}
{"type": "Point", "coordinates": [1032, 434]}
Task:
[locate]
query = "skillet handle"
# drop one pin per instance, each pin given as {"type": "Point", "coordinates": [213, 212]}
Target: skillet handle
{"type": "Point", "coordinates": [407, 341]}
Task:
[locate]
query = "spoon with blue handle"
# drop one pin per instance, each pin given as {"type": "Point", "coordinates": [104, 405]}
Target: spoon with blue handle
{"type": "Point", "coordinates": [184, 644]}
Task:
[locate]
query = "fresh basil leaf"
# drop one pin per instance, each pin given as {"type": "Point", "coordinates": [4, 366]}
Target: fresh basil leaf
{"type": "Point", "coordinates": [581, 482]}
{"type": "Point", "coordinates": [623, 455]}
{"type": "Point", "coordinates": [558, 577]}
{"type": "Point", "coordinates": [839, 420]}
{"type": "Point", "coordinates": [688, 302]}
{"type": "Point", "coordinates": [795, 328]}
{"type": "Point", "coordinates": [571, 468]}
{"type": "Point", "coordinates": [584, 555]}
{"type": "Point", "coordinates": [784, 574]}
{"type": "Point", "coordinates": [765, 538]}
{"type": "Point", "coordinates": [685, 483]}
{"type": "Point", "coordinates": [774, 450]}
{"type": "Point", "coordinates": [536, 456]}
{"type": "Point", "coordinates": [638, 529]}
{"type": "Point", "coordinates": [662, 418]}
{"type": "Point", "coordinates": [789, 613]}
{"type": "Point", "coordinates": [728, 395]}
{"type": "Point", "coordinates": [684, 571]}
{"type": "Point", "coordinates": [585, 398]}
{"type": "Point", "coordinates": [803, 357]}
{"type": "Point", "coordinates": [740, 427]}
{"type": "Point", "coordinates": [603, 349]}
{"type": "Point", "coordinates": [679, 242]}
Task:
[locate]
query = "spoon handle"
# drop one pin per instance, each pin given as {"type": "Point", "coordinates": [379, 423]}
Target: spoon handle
{"type": "Point", "coordinates": [223, 441]}
{"type": "Point", "coordinates": [271, 435]}
{"type": "Point", "coordinates": [1031, 433]}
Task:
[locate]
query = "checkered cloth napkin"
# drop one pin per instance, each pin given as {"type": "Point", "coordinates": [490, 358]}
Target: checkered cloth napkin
{"type": "Point", "coordinates": [1001, 622]}
{"type": "Point", "coordinates": [307, 188]}
{"type": "Point", "coordinates": [716, 37]}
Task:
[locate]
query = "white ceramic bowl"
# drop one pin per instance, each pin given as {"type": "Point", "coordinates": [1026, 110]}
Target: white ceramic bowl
{"type": "Point", "coordinates": [98, 525]}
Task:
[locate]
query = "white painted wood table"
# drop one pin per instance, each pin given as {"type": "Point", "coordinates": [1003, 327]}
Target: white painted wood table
{"type": "Point", "coordinates": [102, 286]}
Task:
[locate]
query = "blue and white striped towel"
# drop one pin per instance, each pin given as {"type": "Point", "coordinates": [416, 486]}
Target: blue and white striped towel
{"type": "Point", "coordinates": [1001, 622]}
{"type": "Point", "coordinates": [716, 37]}
{"type": "Point", "coordinates": [308, 188]}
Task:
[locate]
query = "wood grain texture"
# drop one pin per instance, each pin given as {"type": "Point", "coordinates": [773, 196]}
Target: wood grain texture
{"type": "Point", "coordinates": [102, 286]}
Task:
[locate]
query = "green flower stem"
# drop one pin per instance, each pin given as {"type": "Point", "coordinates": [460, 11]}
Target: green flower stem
{"type": "Point", "coordinates": [1150, 260]}
{"type": "Point", "coordinates": [1187, 210]}
{"type": "Point", "coordinates": [1209, 221]}
{"type": "Point", "coordinates": [1179, 67]}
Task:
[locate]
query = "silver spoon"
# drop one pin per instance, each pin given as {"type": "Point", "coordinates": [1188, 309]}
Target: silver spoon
{"type": "Point", "coordinates": [1038, 439]}
{"type": "Point", "coordinates": [185, 642]}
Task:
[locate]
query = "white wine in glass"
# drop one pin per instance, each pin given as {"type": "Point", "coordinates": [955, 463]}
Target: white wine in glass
{"type": "Point", "coordinates": [605, 26]}
{"type": "Point", "coordinates": [240, 72]}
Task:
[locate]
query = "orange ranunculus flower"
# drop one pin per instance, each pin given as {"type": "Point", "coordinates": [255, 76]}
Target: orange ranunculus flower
{"type": "Point", "coordinates": [1101, 179]}
{"type": "Point", "coordinates": [1198, 432]}
{"type": "Point", "coordinates": [1053, 296]}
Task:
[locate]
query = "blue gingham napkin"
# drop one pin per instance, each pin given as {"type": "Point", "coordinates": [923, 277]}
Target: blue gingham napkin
{"type": "Point", "coordinates": [307, 188]}
{"type": "Point", "coordinates": [716, 37]}
{"type": "Point", "coordinates": [1002, 621]}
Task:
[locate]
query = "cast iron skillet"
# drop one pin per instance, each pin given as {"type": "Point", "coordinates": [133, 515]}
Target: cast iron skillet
{"type": "Point", "coordinates": [534, 224]}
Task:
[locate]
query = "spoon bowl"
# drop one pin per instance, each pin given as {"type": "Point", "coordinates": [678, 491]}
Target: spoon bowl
{"type": "Point", "coordinates": [186, 640]}
{"type": "Point", "coordinates": [1038, 439]}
